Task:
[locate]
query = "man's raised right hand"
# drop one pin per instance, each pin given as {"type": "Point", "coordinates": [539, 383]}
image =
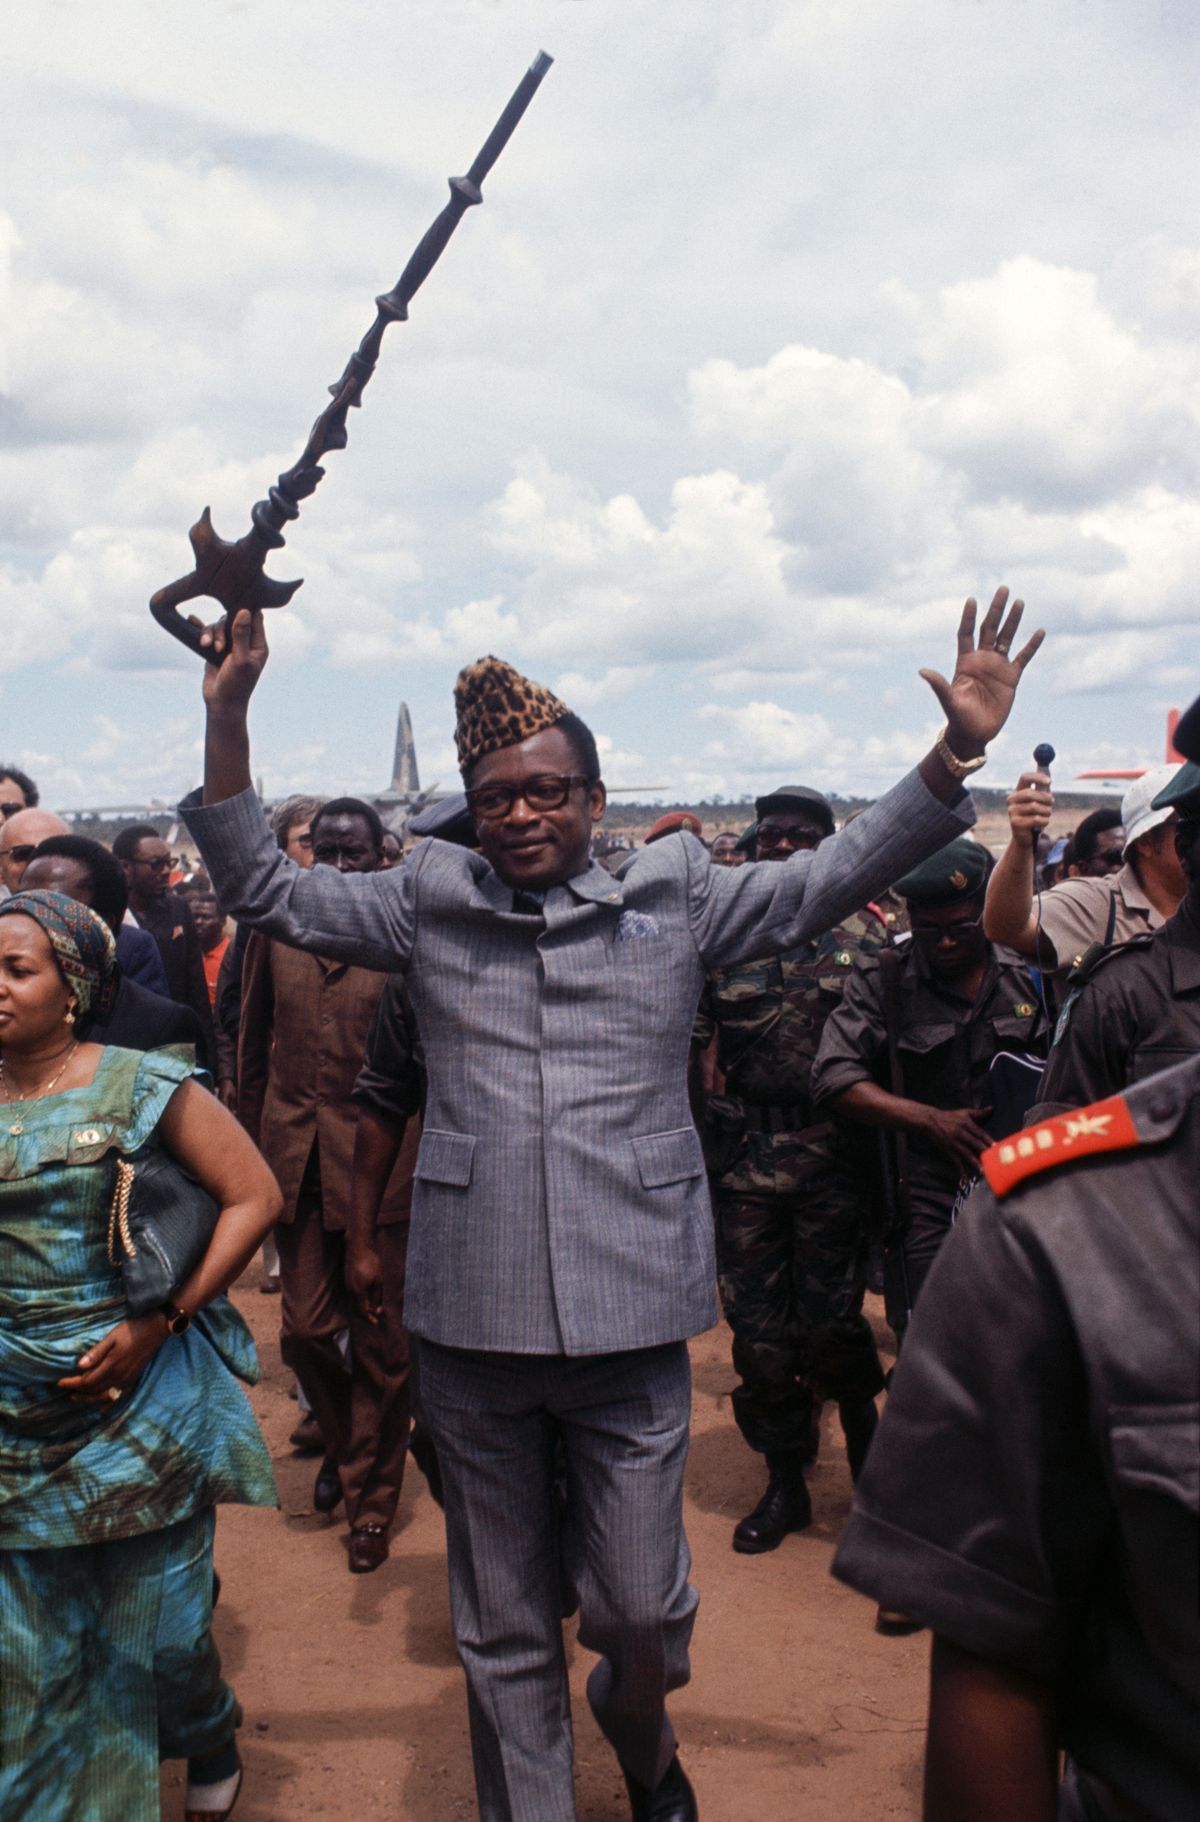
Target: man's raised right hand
{"type": "Point", "coordinates": [228, 686]}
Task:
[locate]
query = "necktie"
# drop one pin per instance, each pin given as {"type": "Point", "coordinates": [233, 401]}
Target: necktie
{"type": "Point", "coordinates": [529, 904]}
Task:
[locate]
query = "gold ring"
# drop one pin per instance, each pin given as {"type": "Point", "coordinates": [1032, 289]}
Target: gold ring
{"type": "Point", "coordinates": [113, 1394]}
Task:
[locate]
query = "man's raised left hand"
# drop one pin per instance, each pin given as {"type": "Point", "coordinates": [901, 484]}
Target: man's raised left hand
{"type": "Point", "coordinates": [979, 696]}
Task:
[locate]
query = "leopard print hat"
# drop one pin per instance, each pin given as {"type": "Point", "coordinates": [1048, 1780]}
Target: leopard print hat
{"type": "Point", "coordinates": [496, 707]}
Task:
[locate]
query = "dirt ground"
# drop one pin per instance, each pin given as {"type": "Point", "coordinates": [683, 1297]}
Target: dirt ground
{"type": "Point", "coordinates": [354, 1700]}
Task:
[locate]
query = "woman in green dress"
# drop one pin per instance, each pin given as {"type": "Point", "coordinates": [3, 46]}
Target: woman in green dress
{"type": "Point", "coordinates": [118, 1436]}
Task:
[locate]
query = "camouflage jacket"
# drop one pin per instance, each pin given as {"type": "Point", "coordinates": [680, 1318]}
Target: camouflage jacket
{"type": "Point", "coordinates": [768, 1017]}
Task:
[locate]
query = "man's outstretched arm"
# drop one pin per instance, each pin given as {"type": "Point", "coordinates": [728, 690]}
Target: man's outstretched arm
{"type": "Point", "coordinates": [740, 913]}
{"type": "Point", "coordinates": [364, 918]}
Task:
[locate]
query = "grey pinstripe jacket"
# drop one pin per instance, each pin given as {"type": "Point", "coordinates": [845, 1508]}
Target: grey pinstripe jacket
{"type": "Point", "coordinates": [561, 1203]}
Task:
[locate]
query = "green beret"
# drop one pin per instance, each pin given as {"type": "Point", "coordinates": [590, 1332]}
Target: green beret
{"type": "Point", "coordinates": [955, 873]}
{"type": "Point", "coordinates": [1182, 792]}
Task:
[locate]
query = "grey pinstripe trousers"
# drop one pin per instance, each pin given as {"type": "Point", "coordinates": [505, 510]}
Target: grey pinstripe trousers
{"type": "Point", "coordinates": [623, 1420]}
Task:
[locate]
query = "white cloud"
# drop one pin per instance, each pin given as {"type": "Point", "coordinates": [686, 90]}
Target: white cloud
{"type": "Point", "coordinates": [1034, 390]}
{"type": "Point", "coordinates": [603, 582]}
{"type": "Point", "coordinates": [764, 734]}
{"type": "Point", "coordinates": [583, 693]}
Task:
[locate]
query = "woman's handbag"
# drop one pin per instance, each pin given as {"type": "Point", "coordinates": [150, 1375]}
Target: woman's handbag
{"type": "Point", "coordinates": [159, 1227]}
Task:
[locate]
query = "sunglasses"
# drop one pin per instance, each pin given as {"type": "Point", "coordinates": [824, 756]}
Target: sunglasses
{"type": "Point", "coordinates": [162, 863]}
{"type": "Point", "coordinates": [550, 791]}
{"type": "Point", "coordinates": [788, 838]}
{"type": "Point", "coordinates": [23, 851]}
{"type": "Point", "coordinates": [10, 809]}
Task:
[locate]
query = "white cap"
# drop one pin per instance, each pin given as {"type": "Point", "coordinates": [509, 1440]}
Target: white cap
{"type": "Point", "coordinates": [1137, 811]}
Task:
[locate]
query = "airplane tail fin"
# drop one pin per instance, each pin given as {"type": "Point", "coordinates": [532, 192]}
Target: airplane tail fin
{"type": "Point", "coordinates": [405, 777]}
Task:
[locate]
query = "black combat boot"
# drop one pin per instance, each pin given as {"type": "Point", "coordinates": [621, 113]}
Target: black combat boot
{"type": "Point", "coordinates": [673, 1800]}
{"type": "Point", "coordinates": [859, 1422]}
{"type": "Point", "coordinates": [784, 1507]}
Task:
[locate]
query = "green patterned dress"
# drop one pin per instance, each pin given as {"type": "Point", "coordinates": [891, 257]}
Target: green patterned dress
{"type": "Point", "coordinates": [106, 1512]}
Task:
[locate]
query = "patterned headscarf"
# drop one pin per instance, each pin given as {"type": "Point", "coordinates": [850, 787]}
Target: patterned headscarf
{"type": "Point", "coordinates": [82, 943]}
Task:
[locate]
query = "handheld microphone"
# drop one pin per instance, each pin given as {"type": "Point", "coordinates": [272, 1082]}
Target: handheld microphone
{"type": "Point", "coordinates": [1044, 756]}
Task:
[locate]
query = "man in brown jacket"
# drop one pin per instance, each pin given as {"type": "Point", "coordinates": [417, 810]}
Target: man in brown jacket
{"type": "Point", "coordinates": [303, 1033]}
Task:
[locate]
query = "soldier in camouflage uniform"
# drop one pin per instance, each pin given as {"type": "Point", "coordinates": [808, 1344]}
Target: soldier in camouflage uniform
{"type": "Point", "coordinates": [790, 1229]}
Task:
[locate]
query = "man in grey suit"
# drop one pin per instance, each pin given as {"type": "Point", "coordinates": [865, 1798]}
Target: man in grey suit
{"type": "Point", "coordinates": [561, 1249]}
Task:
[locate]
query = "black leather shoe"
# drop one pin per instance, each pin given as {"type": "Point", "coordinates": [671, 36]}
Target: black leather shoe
{"type": "Point", "coordinates": [784, 1507]}
{"type": "Point", "coordinates": [860, 1420]}
{"type": "Point", "coordinates": [368, 1549]}
{"type": "Point", "coordinates": [327, 1491]}
{"type": "Point", "coordinates": [673, 1800]}
{"type": "Point", "coordinates": [306, 1438]}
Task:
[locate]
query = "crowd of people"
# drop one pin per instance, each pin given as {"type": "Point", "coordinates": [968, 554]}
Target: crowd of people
{"type": "Point", "coordinates": [506, 1108]}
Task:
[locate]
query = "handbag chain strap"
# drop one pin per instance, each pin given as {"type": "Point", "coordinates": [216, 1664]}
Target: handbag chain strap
{"type": "Point", "coordinates": [118, 1214]}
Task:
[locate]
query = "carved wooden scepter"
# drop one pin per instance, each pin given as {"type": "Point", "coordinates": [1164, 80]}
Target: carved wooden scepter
{"type": "Point", "coordinates": [232, 574]}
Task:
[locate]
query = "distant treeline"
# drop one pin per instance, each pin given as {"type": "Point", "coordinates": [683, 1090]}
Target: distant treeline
{"type": "Point", "coordinates": [724, 815]}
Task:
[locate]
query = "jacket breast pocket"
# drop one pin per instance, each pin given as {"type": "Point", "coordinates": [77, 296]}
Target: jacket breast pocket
{"type": "Point", "coordinates": [1156, 1448]}
{"type": "Point", "coordinates": [1013, 1029]}
{"type": "Point", "coordinates": [668, 1157]}
{"type": "Point", "coordinates": [922, 1039]}
{"type": "Point", "coordinates": [445, 1157]}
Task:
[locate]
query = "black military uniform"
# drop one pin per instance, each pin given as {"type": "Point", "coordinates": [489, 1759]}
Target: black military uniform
{"type": "Point", "coordinates": [1033, 1493]}
{"type": "Point", "coordinates": [945, 1045]}
{"type": "Point", "coordinates": [1052, 1379]}
{"type": "Point", "coordinates": [1134, 1009]}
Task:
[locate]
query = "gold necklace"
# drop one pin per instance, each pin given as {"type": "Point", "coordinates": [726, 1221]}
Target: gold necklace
{"type": "Point", "coordinates": [34, 1094]}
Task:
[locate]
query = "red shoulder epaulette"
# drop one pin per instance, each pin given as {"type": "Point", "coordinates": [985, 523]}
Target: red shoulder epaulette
{"type": "Point", "coordinates": [1105, 1126]}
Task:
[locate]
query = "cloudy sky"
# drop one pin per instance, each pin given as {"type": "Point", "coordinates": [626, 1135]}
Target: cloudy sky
{"type": "Point", "coordinates": [784, 326]}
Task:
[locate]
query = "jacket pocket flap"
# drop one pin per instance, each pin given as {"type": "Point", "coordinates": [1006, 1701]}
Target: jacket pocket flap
{"type": "Point", "coordinates": [1015, 1024]}
{"type": "Point", "coordinates": [923, 1038]}
{"type": "Point", "coordinates": [1157, 1448]}
{"type": "Point", "coordinates": [445, 1157]}
{"type": "Point", "coordinates": [668, 1157]}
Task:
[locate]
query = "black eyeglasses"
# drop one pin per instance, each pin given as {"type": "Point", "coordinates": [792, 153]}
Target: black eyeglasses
{"type": "Point", "coordinates": [10, 809]}
{"type": "Point", "coordinates": [162, 863]}
{"type": "Point", "coordinates": [23, 851]}
{"type": "Point", "coordinates": [548, 792]}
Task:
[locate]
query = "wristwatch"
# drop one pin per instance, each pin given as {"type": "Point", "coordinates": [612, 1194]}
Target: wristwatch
{"type": "Point", "coordinates": [957, 768]}
{"type": "Point", "coordinates": [178, 1321]}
